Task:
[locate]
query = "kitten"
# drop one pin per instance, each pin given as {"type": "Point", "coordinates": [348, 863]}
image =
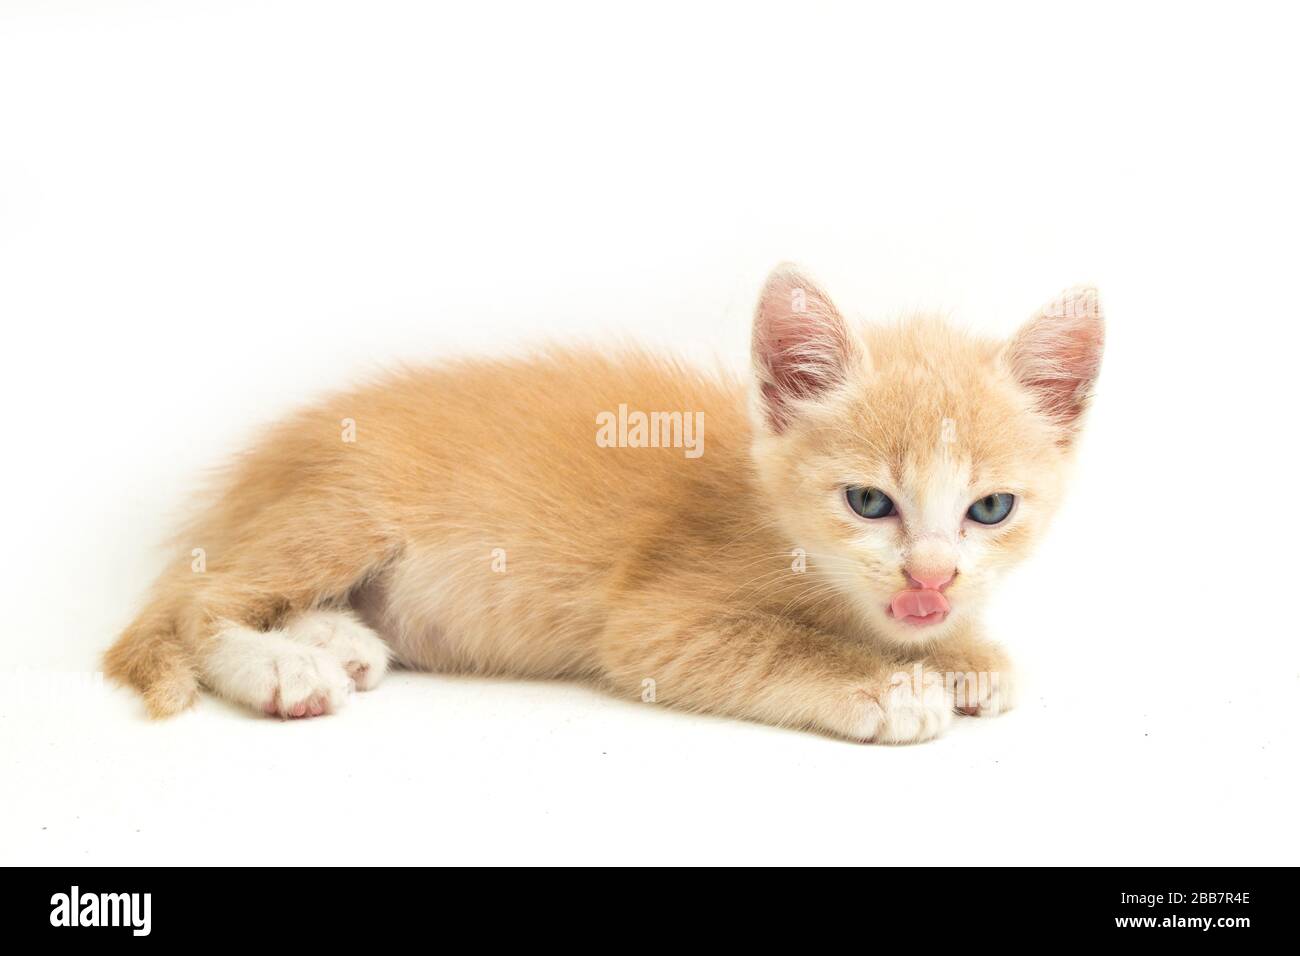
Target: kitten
{"type": "Point", "coordinates": [837, 526]}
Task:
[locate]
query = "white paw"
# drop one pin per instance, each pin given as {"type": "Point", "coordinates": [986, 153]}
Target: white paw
{"type": "Point", "coordinates": [307, 683]}
{"type": "Point", "coordinates": [361, 652]}
{"type": "Point", "coordinates": [984, 694]}
{"type": "Point", "coordinates": [904, 713]}
{"type": "Point", "coordinates": [273, 674]}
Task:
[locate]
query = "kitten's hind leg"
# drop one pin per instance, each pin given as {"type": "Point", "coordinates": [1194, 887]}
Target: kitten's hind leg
{"type": "Point", "coordinates": [296, 530]}
{"type": "Point", "coordinates": [270, 672]}
{"type": "Point", "coordinates": [362, 653]}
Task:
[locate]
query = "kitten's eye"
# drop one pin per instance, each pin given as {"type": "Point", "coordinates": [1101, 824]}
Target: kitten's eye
{"type": "Point", "coordinates": [991, 508]}
{"type": "Point", "coordinates": [870, 502]}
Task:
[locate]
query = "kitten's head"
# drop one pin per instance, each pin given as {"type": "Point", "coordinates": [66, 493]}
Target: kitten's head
{"type": "Point", "coordinates": [914, 463]}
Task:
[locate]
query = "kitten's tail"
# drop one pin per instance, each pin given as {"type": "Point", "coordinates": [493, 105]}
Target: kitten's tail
{"type": "Point", "coordinates": [151, 657]}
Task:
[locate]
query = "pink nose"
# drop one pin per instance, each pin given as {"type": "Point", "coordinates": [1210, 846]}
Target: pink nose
{"type": "Point", "coordinates": [931, 580]}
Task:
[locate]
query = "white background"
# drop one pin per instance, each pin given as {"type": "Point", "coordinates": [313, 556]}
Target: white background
{"type": "Point", "coordinates": [210, 212]}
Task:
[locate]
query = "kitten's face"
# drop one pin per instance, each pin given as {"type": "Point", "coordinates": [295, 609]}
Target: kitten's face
{"type": "Point", "coordinates": [915, 464]}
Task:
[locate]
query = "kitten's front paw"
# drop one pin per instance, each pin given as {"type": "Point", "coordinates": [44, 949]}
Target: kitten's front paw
{"type": "Point", "coordinates": [904, 713]}
{"type": "Point", "coordinates": [984, 694]}
{"type": "Point", "coordinates": [361, 652]}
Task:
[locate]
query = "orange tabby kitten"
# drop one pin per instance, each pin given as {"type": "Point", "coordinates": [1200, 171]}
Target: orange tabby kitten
{"type": "Point", "coordinates": [811, 551]}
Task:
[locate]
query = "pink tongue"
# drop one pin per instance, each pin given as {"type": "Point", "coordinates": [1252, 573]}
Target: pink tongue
{"type": "Point", "coordinates": [915, 606]}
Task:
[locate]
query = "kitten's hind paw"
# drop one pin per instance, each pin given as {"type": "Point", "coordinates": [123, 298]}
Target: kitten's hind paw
{"type": "Point", "coordinates": [308, 683]}
{"type": "Point", "coordinates": [359, 650]}
{"type": "Point", "coordinates": [270, 673]}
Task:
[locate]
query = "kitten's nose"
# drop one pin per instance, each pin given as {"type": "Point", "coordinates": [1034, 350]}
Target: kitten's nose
{"type": "Point", "coordinates": [931, 579]}
{"type": "Point", "coordinates": [932, 562]}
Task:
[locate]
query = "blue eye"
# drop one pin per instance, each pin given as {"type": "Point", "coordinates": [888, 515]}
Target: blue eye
{"type": "Point", "coordinates": [870, 502]}
{"type": "Point", "coordinates": [991, 509]}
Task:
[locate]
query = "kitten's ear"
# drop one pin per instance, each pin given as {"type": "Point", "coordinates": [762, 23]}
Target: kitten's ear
{"type": "Point", "coordinates": [1057, 354]}
{"type": "Point", "coordinates": [802, 348]}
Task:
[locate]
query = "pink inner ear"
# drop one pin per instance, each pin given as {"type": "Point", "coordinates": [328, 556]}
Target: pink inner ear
{"type": "Point", "coordinates": [1064, 391]}
{"type": "Point", "coordinates": [1058, 354]}
{"type": "Point", "coordinates": [801, 345]}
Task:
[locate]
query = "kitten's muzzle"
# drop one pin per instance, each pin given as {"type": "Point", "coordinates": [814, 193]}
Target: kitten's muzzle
{"type": "Point", "coordinates": [919, 607]}
{"type": "Point", "coordinates": [923, 603]}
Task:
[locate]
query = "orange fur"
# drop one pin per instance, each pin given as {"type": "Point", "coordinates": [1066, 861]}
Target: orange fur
{"type": "Point", "coordinates": [632, 565]}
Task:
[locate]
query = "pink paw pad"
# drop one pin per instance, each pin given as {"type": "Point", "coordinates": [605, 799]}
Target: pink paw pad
{"type": "Point", "coordinates": [313, 706]}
